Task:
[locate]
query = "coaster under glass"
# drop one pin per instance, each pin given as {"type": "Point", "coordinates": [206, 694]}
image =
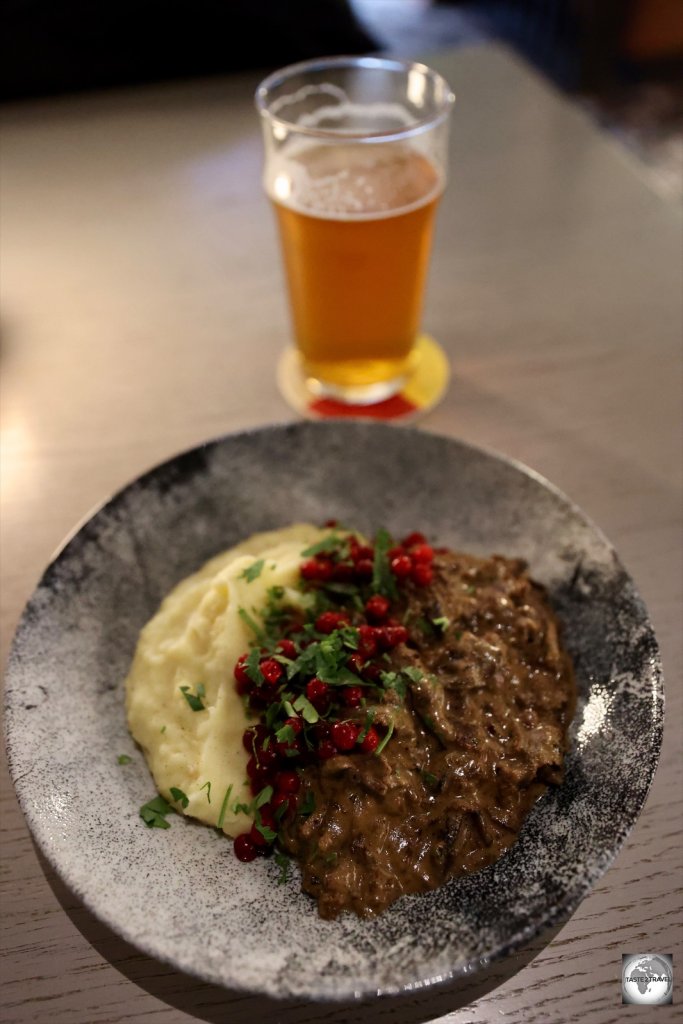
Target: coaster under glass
{"type": "Point", "coordinates": [420, 392]}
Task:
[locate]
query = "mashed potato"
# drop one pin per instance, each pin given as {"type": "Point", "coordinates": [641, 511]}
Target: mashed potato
{"type": "Point", "coordinates": [194, 640]}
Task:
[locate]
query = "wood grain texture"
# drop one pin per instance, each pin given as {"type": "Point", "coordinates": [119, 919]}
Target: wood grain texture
{"type": "Point", "coordinates": [142, 312]}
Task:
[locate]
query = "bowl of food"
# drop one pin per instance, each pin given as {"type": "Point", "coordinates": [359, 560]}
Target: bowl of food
{"type": "Point", "coordinates": [354, 708]}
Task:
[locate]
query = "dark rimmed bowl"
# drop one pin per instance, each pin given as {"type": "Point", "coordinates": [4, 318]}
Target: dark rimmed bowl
{"type": "Point", "coordinates": [180, 895]}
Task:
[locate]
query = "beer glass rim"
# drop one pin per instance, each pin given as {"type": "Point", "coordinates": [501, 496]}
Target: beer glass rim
{"type": "Point", "coordinates": [323, 63]}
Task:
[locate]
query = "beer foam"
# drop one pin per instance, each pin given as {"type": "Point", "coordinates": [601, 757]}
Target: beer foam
{"type": "Point", "coordinates": [370, 118]}
{"type": "Point", "coordinates": [354, 182]}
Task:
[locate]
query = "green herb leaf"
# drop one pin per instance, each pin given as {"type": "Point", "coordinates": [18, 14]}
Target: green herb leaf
{"type": "Point", "coordinates": [253, 571]}
{"type": "Point", "coordinates": [207, 787]}
{"type": "Point", "coordinates": [329, 543]}
{"type": "Point", "coordinates": [442, 623]}
{"type": "Point", "coordinates": [385, 739]}
{"type": "Point", "coordinates": [252, 624]}
{"type": "Point", "coordinates": [262, 797]}
{"type": "Point", "coordinates": [383, 581]}
{"type": "Point", "coordinates": [124, 759]}
{"type": "Point", "coordinates": [283, 863]}
{"type": "Point", "coordinates": [195, 701]}
{"type": "Point", "coordinates": [154, 813]}
{"type": "Point", "coordinates": [285, 734]}
{"type": "Point", "coordinates": [224, 806]}
{"type": "Point", "coordinates": [308, 712]}
{"type": "Point", "coordinates": [393, 681]}
{"type": "Point", "coordinates": [369, 718]}
{"type": "Point", "coordinates": [266, 832]}
{"type": "Point", "coordinates": [416, 675]}
{"type": "Point", "coordinates": [307, 805]}
{"type": "Point", "coordinates": [179, 796]}
{"type": "Point", "coordinates": [163, 729]}
{"type": "Point", "coordinates": [429, 778]}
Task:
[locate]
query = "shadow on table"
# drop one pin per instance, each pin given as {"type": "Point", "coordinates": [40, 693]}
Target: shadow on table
{"type": "Point", "coordinates": [212, 1002]}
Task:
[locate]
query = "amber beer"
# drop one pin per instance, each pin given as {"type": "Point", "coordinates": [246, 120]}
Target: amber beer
{"type": "Point", "coordinates": [356, 227]}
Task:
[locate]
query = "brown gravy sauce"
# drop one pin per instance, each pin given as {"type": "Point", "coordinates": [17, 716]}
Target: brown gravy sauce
{"type": "Point", "coordinates": [476, 741]}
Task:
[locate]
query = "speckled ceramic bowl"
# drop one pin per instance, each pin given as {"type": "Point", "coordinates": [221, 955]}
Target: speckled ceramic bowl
{"type": "Point", "coordinates": [180, 894]}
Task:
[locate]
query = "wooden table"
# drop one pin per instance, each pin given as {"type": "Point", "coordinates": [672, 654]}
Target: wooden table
{"type": "Point", "coordinates": [143, 311]}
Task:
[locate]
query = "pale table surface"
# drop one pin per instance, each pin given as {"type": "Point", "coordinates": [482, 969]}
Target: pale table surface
{"type": "Point", "coordinates": [143, 309]}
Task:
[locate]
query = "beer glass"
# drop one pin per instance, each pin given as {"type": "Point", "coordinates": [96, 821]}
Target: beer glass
{"type": "Point", "coordinates": [355, 163]}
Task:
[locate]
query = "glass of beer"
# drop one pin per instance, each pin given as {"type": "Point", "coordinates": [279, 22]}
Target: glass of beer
{"type": "Point", "coordinates": [356, 158]}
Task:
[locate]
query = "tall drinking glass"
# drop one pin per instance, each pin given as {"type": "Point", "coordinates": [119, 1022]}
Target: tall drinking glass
{"type": "Point", "coordinates": [355, 164]}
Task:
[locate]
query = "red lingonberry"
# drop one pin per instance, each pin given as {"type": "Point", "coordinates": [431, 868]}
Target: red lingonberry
{"type": "Point", "coordinates": [287, 648]}
{"type": "Point", "coordinates": [327, 622]}
{"type": "Point", "coordinates": [249, 740]}
{"type": "Point", "coordinates": [352, 696]}
{"type": "Point", "coordinates": [343, 572]}
{"type": "Point", "coordinates": [422, 553]}
{"type": "Point", "coordinates": [355, 662]}
{"type": "Point", "coordinates": [362, 553]}
{"type": "Point", "coordinates": [294, 723]}
{"type": "Point", "coordinates": [392, 636]}
{"type": "Point", "coordinates": [422, 574]}
{"type": "Point", "coordinates": [401, 566]}
{"type": "Point", "coordinates": [321, 731]}
{"type": "Point", "coordinates": [395, 552]}
{"type": "Point", "coordinates": [287, 782]}
{"type": "Point", "coordinates": [244, 847]}
{"type": "Point", "coordinates": [326, 750]}
{"type": "Point", "coordinates": [364, 569]}
{"type": "Point", "coordinates": [271, 670]}
{"type": "Point", "coordinates": [283, 798]}
{"type": "Point", "coordinates": [412, 539]}
{"type": "Point", "coordinates": [309, 569]}
{"type": "Point", "coordinates": [377, 608]}
{"type": "Point", "coordinates": [267, 756]}
{"type": "Point", "coordinates": [344, 735]}
{"type": "Point", "coordinates": [243, 683]}
{"type": "Point", "coordinates": [369, 741]}
{"type": "Point", "coordinates": [317, 691]}
{"type": "Point", "coordinates": [372, 672]}
{"type": "Point", "coordinates": [367, 641]}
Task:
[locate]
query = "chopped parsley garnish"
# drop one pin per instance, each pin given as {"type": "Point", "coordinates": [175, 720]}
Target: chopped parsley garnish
{"type": "Point", "coordinates": [383, 580]}
{"type": "Point", "coordinates": [369, 718]}
{"type": "Point", "coordinates": [307, 805]}
{"type": "Point", "coordinates": [207, 787]}
{"type": "Point", "coordinates": [442, 623]}
{"type": "Point", "coordinates": [308, 712]}
{"type": "Point", "coordinates": [195, 701]}
{"type": "Point", "coordinates": [429, 778]}
{"type": "Point", "coordinates": [262, 797]}
{"type": "Point", "coordinates": [332, 542]}
{"type": "Point", "coordinates": [124, 759]}
{"type": "Point", "coordinates": [154, 813]}
{"type": "Point", "coordinates": [385, 739]}
{"type": "Point", "coordinates": [179, 797]}
{"type": "Point", "coordinates": [251, 623]}
{"type": "Point", "coordinates": [224, 806]}
{"type": "Point", "coordinates": [253, 571]}
{"type": "Point", "coordinates": [283, 863]}
{"type": "Point", "coordinates": [266, 831]}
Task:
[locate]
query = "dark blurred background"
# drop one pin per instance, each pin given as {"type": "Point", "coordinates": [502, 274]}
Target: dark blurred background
{"type": "Point", "coordinates": [622, 58]}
